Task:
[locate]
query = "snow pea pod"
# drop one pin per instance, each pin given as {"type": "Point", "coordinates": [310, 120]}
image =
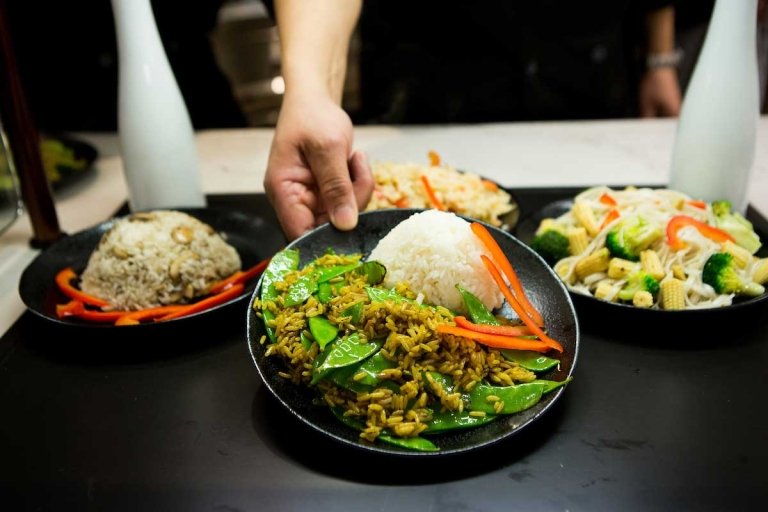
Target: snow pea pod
{"type": "Point", "coordinates": [355, 312]}
{"type": "Point", "coordinates": [515, 398]}
{"type": "Point", "coordinates": [372, 367]}
{"type": "Point", "coordinates": [343, 352]}
{"type": "Point", "coordinates": [411, 443]}
{"type": "Point", "coordinates": [327, 273]}
{"type": "Point", "coordinates": [384, 295]}
{"type": "Point", "coordinates": [301, 290]}
{"type": "Point", "coordinates": [344, 377]}
{"type": "Point", "coordinates": [324, 292]}
{"type": "Point", "coordinates": [530, 360]}
{"type": "Point", "coordinates": [306, 341]}
{"type": "Point", "coordinates": [323, 331]}
{"type": "Point", "coordinates": [281, 264]}
{"type": "Point", "coordinates": [374, 272]}
{"type": "Point", "coordinates": [453, 420]}
{"type": "Point", "coordinates": [476, 310]}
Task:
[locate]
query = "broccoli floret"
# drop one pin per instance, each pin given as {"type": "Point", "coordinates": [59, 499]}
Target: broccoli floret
{"type": "Point", "coordinates": [630, 237]}
{"type": "Point", "coordinates": [637, 282]}
{"type": "Point", "coordinates": [736, 225]}
{"type": "Point", "coordinates": [721, 274]}
{"type": "Point", "coordinates": [551, 245]}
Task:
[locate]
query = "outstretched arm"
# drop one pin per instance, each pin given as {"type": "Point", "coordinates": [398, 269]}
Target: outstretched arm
{"type": "Point", "coordinates": [313, 174]}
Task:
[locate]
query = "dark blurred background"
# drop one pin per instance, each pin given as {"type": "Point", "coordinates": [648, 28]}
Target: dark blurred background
{"type": "Point", "coordinates": [226, 58]}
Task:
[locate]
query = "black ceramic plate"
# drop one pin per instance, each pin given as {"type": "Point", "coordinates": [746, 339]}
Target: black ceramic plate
{"type": "Point", "coordinates": [254, 237]}
{"type": "Point", "coordinates": [594, 311]}
{"type": "Point", "coordinates": [544, 288]}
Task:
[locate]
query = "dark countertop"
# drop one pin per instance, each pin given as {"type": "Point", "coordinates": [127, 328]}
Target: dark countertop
{"type": "Point", "coordinates": [656, 419]}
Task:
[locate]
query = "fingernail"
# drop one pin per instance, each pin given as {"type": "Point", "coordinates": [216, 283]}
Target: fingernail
{"type": "Point", "coordinates": [344, 217]}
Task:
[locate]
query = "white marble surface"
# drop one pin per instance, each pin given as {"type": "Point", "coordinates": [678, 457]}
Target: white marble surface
{"type": "Point", "coordinates": [515, 155]}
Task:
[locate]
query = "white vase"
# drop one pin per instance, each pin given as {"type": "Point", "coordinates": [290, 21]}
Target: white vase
{"type": "Point", "coordinates": [715, 142]}
{"type": "Point", "coordinates": [160, 158]}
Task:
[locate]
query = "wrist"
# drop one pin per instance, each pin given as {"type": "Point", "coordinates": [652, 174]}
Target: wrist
{"type": "Point", "coordinates": [663, 60]}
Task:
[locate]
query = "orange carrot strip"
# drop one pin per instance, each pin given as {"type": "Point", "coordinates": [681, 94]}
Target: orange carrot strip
{"type": "Point", "coordinates": [434, 158]}
{"type": "Point", "coordinates": [488, 184]}
{"type": "Point", "coordinates": [502, 330]}
{"type": "Point", "coordinates": [241, 276]}
{"type": "Point", "coordinates": [612, 215]}
{"type": "Point", "coordinates": [517, 307]}
{"type": "Point", "coordinates": [64, 281]}
{"type": "Point", "coordinates": [494, 340]}
{"type": "Point", "coordinates": [431, 194]}
{"type": "Point", "coordinates": [207, 303]}
{"type": "Point", "coordinates": [608, 200]}
{"type": "Point", "coordinates": [136, 317]}
{"type": "Point", "coordinates": [501, 260]}
{"type": "Point", "coordinates": [702, 205]}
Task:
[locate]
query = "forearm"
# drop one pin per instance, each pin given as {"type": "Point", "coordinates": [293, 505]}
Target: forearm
{"type": "Point", "coordinates": [660, 31]}
{"type": "Point", "coordinates": [314, 40]}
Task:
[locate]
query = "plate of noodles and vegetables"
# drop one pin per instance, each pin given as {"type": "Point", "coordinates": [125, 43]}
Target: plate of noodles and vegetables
{"type": "Point", "coordinates": [441, 186]}
{"type": "Point", "coordinates": [150, 268]}
{"type": "Point", "coordinates": [653, 249]}
{"type": "Point", "coordinates": [419, 332]}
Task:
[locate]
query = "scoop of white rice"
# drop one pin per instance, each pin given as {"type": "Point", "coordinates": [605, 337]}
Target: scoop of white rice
{"type": "Point", "coordinates": [433, 251]}
{"type": "Point", "coordinates": [157, 258]}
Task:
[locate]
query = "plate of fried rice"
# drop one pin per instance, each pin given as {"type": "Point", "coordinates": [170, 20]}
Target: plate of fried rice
{"type": "Point", "coordinates": [146, 261]}
{"type": "Point", "coordinates": [377, 339]}
{"type": "Point", "coordinates": [442, 186]}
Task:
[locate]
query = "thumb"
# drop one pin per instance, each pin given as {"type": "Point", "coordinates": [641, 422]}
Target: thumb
{"type": "Point", "coordinates": [335, 186]}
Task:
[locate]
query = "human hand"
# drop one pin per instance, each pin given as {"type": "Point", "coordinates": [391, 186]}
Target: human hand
{"type": "Point", "coordinates": [659, 94]}
{"type": "Point", "coordinates": [312, 173]}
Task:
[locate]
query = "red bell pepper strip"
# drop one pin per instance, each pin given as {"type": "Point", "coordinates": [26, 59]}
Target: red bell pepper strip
{"type": "Point", "coordinates": [207, 303]}
{"type": "Point", "coordinates": [678, 222]}
{"type": "Point", "coordinates": [433, 199]}
{"type": "Point", "coordinates": [494, 340]}
{"type": "Point", "coordinates": [241, 276]}
{"type": "Point", "coordinates": [64, 281]}
{"type": "Point", "coordinates": [77, 309]}
{"type": "Point", "coordinates": [136, 317]}
{"type": "Point", "coordinates": [502, 330]}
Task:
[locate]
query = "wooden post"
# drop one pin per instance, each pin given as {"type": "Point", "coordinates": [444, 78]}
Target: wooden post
{"type": "Point", "coordinates": [24, 142]}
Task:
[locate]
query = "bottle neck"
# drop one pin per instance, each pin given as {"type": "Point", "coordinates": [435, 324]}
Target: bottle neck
{"type": "Point", "coordinates": [733, 25]}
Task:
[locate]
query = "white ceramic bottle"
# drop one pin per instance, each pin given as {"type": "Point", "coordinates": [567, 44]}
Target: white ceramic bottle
{"type": "Point", "coordinates": [715, 143]}
{"type": "Point", "coordinates": [160, 157]}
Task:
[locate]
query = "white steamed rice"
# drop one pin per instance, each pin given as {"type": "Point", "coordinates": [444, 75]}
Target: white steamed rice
{"type": "Point", "coordinates": [157, 258]}
{"type": "Point", "coordinates": [433, 251]}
